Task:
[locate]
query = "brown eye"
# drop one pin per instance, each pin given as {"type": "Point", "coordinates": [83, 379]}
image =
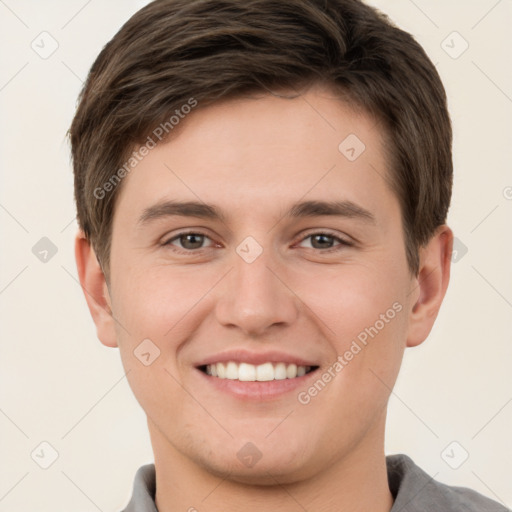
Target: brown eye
{"type": "Point", "coordinates": [325, 241]}
{"type": "Point", "coordinates": [322, 241]}
{"type": "Point", "coordinates": [188, 241]}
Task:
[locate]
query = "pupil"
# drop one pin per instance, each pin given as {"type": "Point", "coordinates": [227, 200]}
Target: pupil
{"type": "Point", "coordinates": [328, 237]}
{"type": "Point", "coordinates": [186, 238]}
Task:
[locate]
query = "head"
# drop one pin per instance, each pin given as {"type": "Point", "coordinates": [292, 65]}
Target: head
{"type": "Point", "coordinates": [260, 113]}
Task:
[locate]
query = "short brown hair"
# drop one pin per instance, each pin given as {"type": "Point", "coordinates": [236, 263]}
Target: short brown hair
{"type": "Point", "coordinates": [174, 50]}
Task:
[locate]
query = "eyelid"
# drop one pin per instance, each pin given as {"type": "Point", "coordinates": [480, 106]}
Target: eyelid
{"type": "Point", "coordinates": [168, 239]}
{"type": "Point", "coordinates": [344, 240]}
{"type": "Point", "coordinates": [326, 231]}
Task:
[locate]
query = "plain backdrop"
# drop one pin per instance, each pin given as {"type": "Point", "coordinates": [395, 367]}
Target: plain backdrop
{"type": "Point", "coordinates": [60, 386]}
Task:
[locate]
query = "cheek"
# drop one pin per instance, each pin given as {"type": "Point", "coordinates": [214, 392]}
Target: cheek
{"type": "Point", "coordinates": [363, 317]}
{"type": "Point", "coordinates": [154, 302]}
{"type": "Point", "coordinates": [157, 311]}
{"type": "Point", "coordinates": [352, 393]}
{"type": "Point", "coordinates": [347, 299]}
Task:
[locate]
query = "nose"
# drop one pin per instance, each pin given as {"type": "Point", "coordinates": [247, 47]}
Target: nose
{"type": "Point", "coordinates": [255, 296]}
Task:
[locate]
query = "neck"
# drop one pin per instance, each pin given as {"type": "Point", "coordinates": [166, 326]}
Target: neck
{"type": "Point", "coordinates": [358, 482]}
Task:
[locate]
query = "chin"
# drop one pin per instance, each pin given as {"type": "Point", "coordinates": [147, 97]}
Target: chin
{"type": "Point", "coordinates": [269, 473]}
{"type": "Point", "coordinates": [261, 462]}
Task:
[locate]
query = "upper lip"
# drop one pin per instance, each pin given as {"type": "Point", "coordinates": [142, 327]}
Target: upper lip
{"type": "Point", "coordinates": [255, 358]}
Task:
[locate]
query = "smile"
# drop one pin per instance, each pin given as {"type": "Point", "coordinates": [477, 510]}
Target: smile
{"type": "Point", "coordinates": [247, 372]}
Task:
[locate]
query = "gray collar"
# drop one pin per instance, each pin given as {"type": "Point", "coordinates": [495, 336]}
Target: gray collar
{"type": "Point", "coordinates": [412, 488]}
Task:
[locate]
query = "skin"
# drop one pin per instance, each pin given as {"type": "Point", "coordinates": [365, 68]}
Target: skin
{"type": "Point", "coordinates": [253, 158]}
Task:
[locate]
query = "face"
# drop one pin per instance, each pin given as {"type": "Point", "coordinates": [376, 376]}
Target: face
{"type": "Point", "coordinates": [275, 310]}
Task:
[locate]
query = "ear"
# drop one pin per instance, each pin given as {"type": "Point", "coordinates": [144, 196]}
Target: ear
{"type": "Point", "coordinates": [95, 290]}
{"type": "Point", "coordinates": [430, 285]}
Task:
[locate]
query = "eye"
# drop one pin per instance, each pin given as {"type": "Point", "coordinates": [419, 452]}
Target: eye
{"type": "Point", "coordinates": [325, 241]}
{"type": "Point", "coordinates": [189, 241]}
{"type": "Point", "coordinates": [193, 241]}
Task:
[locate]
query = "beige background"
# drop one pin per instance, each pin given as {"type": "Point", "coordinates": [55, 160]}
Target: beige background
{"type": "Point", "coordinates": [60, 385]}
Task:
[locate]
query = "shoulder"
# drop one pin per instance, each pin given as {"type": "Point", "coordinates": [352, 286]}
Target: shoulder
{"type": "Point", "coordinates": [415, 490]}
{"type": "Point", "coordinates": [143, 493]}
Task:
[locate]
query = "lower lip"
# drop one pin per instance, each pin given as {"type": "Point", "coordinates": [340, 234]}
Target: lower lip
{"type": "Point", "coordinates": [259, 390]}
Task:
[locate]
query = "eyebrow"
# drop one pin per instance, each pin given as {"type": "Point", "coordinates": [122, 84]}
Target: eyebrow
{"type": "Point", "coordinates": [302, 209]}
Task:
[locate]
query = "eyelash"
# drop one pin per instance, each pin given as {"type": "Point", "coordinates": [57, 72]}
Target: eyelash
{"type": "Point", "coordinates": [342, 242]}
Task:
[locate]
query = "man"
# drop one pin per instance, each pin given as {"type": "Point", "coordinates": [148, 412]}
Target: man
{"type": "Point", "coordinates": [262, 191]}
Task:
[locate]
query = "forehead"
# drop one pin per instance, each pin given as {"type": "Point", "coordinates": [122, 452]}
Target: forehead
{"type": "Point", "coordinates": [265, 152]}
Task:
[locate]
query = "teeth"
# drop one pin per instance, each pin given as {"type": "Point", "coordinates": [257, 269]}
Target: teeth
{"type": "Point", "coordinates": [291, 371]}
{"type": "Point", "coordinates": [264, 372]}
{"type": "Point", "coordinates": [221, 370]}
{"type": "Point", "coordinates": [250, 373]}
{"type": "Point", "coordinates": [246, 372]}
{"type": "Point", "coordinates": [232, 371]}
{"type": "Point", "coordinates": [280, 371]}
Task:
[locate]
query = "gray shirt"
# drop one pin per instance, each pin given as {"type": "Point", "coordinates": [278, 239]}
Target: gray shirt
{"type": "Point", "coordinates": [412, 488]}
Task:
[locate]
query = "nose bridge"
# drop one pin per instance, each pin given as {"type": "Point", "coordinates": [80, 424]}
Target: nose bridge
{"type": "Point", "coordinates": [253, 297]}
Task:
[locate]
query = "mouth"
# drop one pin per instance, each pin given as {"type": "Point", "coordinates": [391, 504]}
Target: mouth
{"type": "Point", "coordinates": [247, 372]}
{"type": "Point", "coordinates": [258, 376]}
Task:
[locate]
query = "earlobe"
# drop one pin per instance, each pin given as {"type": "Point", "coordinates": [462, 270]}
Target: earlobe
{"type": "Point", "coordinates": [432, 283]}
{"type": "Point", "coordinates": [94, 286]}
